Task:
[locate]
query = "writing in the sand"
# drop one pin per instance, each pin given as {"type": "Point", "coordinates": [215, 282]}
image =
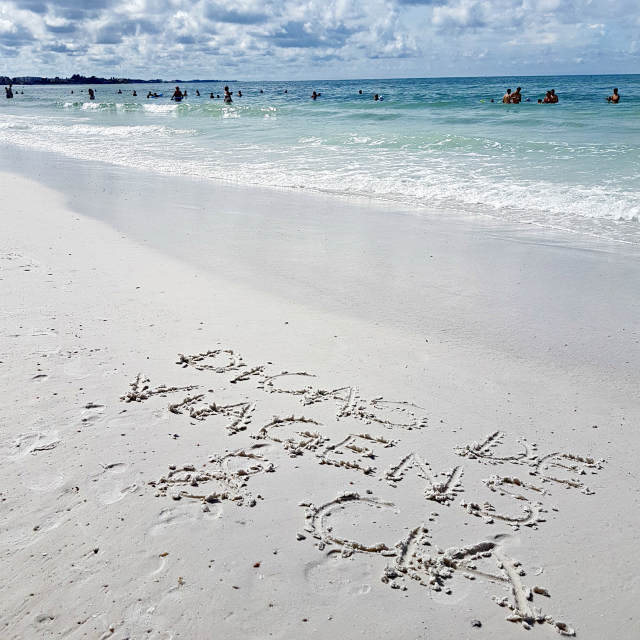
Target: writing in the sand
{"type": "Point", "coordinates": [370, 433]}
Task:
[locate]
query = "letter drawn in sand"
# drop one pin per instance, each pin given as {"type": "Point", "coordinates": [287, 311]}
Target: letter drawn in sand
{"type": "Point", "coordinates": [310, 440]}
{"type": "Point", "coordinates": [483, 450]}
{"type": "Point", "coordinates": [245, 375]}
{"type": "Point", "coordinates": [546, 467]}
{"type": "Point", "coordinates": [353, 444]}
{"type": "Point", "coordinates": [140, 390]}
{"type": "Point", "coordinates": [434, 570]}
{"type": "Point", "coordinates": [317, 526]}
{"type": "Point", "coordinates": [521, 610]}
{"type": "Point", "coordinates": [233, 481]}
{"type": "Point", "coordinates": [398, 414]}
{"type": "Point", "coordinates": [443, 491]}
{"type": "Point", "coordinates": [506, 486]}
{"type": "Point", "coordinates": [414, 558]}
{"type": "Point", "coordinates": [267, 383]}
{"type": "Point", "coordinates": [542, 466]}
{"type": "Point", "coordinates": [240, 412]}
{"type": "Point", "coordinates": [211, 361]}
{"type": "Point", "coordinates": [346, 398]}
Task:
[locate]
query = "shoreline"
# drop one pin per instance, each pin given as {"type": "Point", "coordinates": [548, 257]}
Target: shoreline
{"type": "Point", "coordinates": [108, 297]}
{"type": "Point", "coordinates": [518, 289]}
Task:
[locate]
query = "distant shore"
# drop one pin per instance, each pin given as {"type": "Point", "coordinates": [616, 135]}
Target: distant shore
{"type": "Point", "coordinates": [78, 79]}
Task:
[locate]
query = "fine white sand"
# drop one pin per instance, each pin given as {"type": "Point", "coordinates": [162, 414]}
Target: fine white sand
{"type": "Point", "coordinates": [194, 450]}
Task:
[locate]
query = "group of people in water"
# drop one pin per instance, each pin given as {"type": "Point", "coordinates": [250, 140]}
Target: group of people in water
{"type": "Point", "coordinates": [178, 95]}
{"type": "Point", "coordinates": [9, 92]}
{"type": "Point", "coordinates": [550, 97]}
{"type": "Point", "coordinates": [512, 98]}
{"type": "Point", "coordinates": [515, 97]}
{"type": "Point", "coordinates": [509, 97]}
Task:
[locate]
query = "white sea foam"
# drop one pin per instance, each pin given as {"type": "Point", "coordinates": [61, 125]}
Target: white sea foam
{"type": "Point", "coordinates": [537, 173]}
{"type": "Point", "coordinates": [160, 108]}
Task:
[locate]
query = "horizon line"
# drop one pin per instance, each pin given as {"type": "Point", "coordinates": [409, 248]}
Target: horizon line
{"type": "Point", "coordinates": [197, 80]}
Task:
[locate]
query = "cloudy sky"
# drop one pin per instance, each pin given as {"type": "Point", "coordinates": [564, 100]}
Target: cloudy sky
{"type": "Point", "coordinates": [320, 39]}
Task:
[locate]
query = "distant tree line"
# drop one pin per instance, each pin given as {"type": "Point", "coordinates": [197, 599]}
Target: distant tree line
{"type": "Point", "coordinates": [76, 78]}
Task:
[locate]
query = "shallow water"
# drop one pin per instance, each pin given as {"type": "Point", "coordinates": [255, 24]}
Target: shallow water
{"type": "Point", "coordinates": [431, 143]}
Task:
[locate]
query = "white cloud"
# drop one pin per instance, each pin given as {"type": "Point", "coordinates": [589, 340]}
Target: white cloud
{"type": "Point", "coordinates": [312, 38]}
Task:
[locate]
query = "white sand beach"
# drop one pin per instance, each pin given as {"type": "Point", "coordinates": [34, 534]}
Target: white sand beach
{"type": "Point", "coordinates": [234, 413]}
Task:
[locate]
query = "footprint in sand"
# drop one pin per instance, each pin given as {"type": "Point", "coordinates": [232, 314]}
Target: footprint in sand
{"type": "Point", "coordinates": [144, 418]}
{"type": "Point", "coordinates": [91, 414]}
{"type": "Point", "coordinates": [79, 368]}
{"type": "Point", "coordinates": [17, 262]}
{"type": "Point", "coordinates": [29, 443]}
{"type": "Point", "coordinates": [181, 516]}
{"type": "Point", "coordinates": [116, 493]}
{"type": "Point", "coordinates": [42, 482]}
{"type": "Point", "coordinates": [331, 575]}
{"type": "Point", "coordinates": [107, 487]}
{"type": "Point", "coordinates": [43, 619]}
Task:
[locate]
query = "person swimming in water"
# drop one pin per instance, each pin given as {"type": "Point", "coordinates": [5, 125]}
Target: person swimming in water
{"type": "Point", "coordinates": [197, 93]}
{"type": "Point", "coordinates": [375, 97]}
{"type": "Point", "coordinates": [92, 95]}
{"type": "Point", "coordinates": [177, 95]}
{"type": "Point", "coordinates": [227, 96]}
{"type": "Point", "coordinates": [211, 95]}
{"type": "Point", "coordinates": [9, 92]}
{"type": "Point", "coordinates": [239, 94]}
{"type": "Point", "coordinates": [554, 97]}
{"type": "Point", "coordinates": [135, 95]}
{"type": "Point", "coordinates": [516, 96]}
{"type": "Point", "coordinates": [506, 98]}
{"type": "Point", "coordinates": [314, 95]}
{"type": "Point", "coordinates": [615, 98]}
{"type": "Point", "coordinates": [547, 99]}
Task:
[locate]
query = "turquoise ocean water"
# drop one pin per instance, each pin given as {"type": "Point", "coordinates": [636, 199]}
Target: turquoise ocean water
{"type": "Point", "coordinates": [436, 143]}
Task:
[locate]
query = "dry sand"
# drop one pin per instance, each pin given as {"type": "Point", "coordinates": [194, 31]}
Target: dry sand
{"type": "Point", "coordinates": [188, 456]}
